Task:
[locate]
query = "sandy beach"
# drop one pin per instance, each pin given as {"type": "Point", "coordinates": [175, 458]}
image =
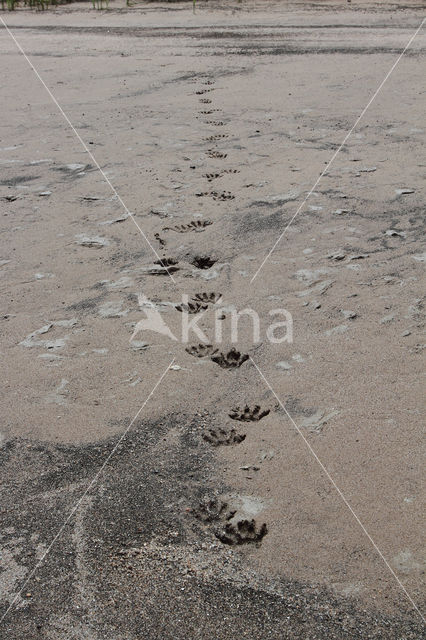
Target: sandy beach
{"type": "Point", "coordinates": [160, 167]}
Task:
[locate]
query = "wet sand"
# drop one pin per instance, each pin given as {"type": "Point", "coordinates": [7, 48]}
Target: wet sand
{"type": "Point", "coordinates": [212, 518]}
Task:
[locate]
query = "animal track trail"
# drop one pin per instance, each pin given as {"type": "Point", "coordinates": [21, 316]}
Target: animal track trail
{"type": "Point", "coordinates": [194, 225]}
{"type": "Point", "coordinates": [201, 350]}
{"type": "Point", "coordinates": [223, 437]}
{"type": "Point", "coordinates": [211, 153]}
{"type": "Point", "coordinates": [230, 360]}
{"type": "Point", "coordinates": [247, 414]}
{"type": "Point", "coordinates": [242, 532]}
{"type": "Point", "coordinates": [216, 511]}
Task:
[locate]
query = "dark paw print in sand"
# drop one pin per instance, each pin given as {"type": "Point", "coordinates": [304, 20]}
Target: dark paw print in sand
{"type": "Point", "coordinates": [192, 307]}
{"type": "Point", "coordinates": [219, 436]}
{"type": "Point", "coordinates": [223, 195]}
{"type": "Point", "coordinates": [201, 350]}
{"type": "Point", "coordinates": [212, 176]}
{"type": "Point", "coordinates": [168, 264]}
{"type": "Point", "coordinates": [213, 511]}
{"type": "Point", "coordinates": [247, 414]}
{"type": "Point", "coordinates": [216, 195]}
{"type": "Point", "coordinates": [230, 360]}
{"type": "Point", "coordinates": [216, 136]}
{"type": "Point", "coordinates": [194, 225]}
{"type": "Point", "coordinates": [242, 532]}
{"type": "Point", "coordinates": [211, 153]}
{"type": "Point", "coordinates": [200, 302]}
{"type": "Point", "coordinates": [203, 262]}
{"type": "Point", "coordinates": [209, 298]}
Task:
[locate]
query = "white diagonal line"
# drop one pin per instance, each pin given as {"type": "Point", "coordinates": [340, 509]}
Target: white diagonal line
{"type": "Point", "coordinates": [85, 492]}
{"type": "Point", "coordinates": [339, 491]}
{"type": "Point", "coordinates": [83, 144]}
{"type": "Point", "coordinates": [361, 115]}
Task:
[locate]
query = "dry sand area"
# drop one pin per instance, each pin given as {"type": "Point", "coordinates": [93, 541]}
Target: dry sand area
{"type": "Point", "coordinates": [157, 489]}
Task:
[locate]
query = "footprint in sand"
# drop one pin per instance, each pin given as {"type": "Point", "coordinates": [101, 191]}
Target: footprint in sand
{"type": "Point", "coordinates": [248, 415]}
{"type": "Point", "coordinates": [194, 225]}
{"type": "Point", "coordinates": [230, 360]}
{"type": "Point", "coordinates": [222, 437]}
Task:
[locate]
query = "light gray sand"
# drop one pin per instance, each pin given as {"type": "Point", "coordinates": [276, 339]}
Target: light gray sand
{"type": "Point", "coordinates": [287, 82]}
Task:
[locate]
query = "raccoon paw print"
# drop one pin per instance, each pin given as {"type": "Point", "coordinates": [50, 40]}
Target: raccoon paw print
{"type": "Point", "coordinates": [208, 298]}
{"type": "Point", "coordinates": [213, 176]}
{"type": "Point", "coordinates": [211, 153]}
{"type": "Point", "coordinates": [164, 266]}
{"type": "Point", "coordinates": [213, 509]}
{"type": "Point", "coordinates": [217, 136]}
{"type": "Point", "coordinates": [243, 532]}
{"type": "Point", "coordinates": [167, 263]}
{"type": "Point", "coordinates": [201, 350]}
{"type": "Point", "coordinates": [191, 307]}
{"type": "Point", "coordinates": [216, 195]}
{"type": "Point", "coordinates": [224, 195]}
{"type": "Point", "coordinates": [203, 262]}
{"type": "Point", "coordinates": [219, 436]}
{"type": "Point", "coordinates": [194, 225]}
{"type": "Point", "coordinates": [230, 360]}
{"type": "Point", "coordinates": [247, 414]}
